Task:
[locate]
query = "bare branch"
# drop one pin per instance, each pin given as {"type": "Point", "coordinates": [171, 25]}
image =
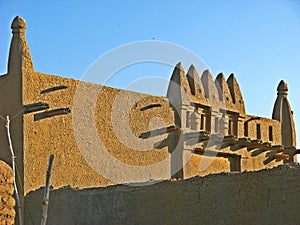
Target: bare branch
{"type": "Point", "coordinates": [14, 169]}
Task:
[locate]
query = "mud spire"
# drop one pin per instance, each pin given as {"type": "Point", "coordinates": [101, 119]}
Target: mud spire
{"type": "Point", "coordinates": [235, 91]}
{"type": "Point", "coordinates": [209, 86]}
{"type": "Point", "coordinates": [222, 87]}
{"type": "Point", "coordinates": [196, 85]}
{"type": "Point", "coordinates": [282, 112]}
{"type": "Point", "coordinates": [19, 60]}
{"type": "Point", "coordinates": [178, 89]}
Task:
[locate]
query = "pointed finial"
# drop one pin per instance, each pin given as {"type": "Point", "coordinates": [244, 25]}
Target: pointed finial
{"type": "Point", "coordinates": [236, 93]}
{"type": "Point", "coordinates": [178, 88]}
{"type": "Point", "coordinates": [222, 87]}
{"type": "Point", "coordinates": [178, 72]}
{"type": "Point", "coordinates": [179, 65]}
{"type": "Point", "coordinates": [282, 88]}
{"type": "Point", "coordinates": [192, 68]}
{"type": "Point", "coordinates": [18, 25]}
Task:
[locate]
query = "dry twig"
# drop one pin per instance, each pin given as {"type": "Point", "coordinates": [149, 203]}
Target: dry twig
{"type": "Point", "coordinates": [13, 157]}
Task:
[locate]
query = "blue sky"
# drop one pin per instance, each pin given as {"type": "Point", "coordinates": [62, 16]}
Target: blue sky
{"type": "Point", "coordinates": [259, 41]}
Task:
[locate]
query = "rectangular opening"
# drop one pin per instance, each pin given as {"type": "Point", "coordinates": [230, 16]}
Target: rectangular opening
{"type": "Point", "coordinates": [187, 119]}
{"type": "Point", "coordinates": [246, 129]}
{"type": "Point", "coordinates": [235, 128]}
{"type": "Point", "coordinates": [258, 131]}
{"type": "Point", "coordinates": [235, 163]}
{"type": "Point", "coordinates": [202, 122]}
{"type": "Point", "coordinates": [216, 124]}
{"type": "Point", "coordinates": [270, 133]}
{"type": "Point", "coordinates": [229, 127]}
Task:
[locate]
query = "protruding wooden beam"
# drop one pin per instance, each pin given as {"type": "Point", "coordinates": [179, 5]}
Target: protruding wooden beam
{"type": "Point", "coordinates": [230, 139]}
{"type": "Point", "coordinates": [197, 135]}
{"type": "Point", "coordinates": [50, 113]}
{"type": "Point", "coordinates": [158, 132]}
{"type": "Point", "coordinates": [161, 144]}
{"type": "Point", "coordinates": [150, 107]}
{"type": "Point", "coordinates": [274, 148]}
{"type": "Point", "coordinates": [258, 144]}
{"type": "Point", "coordinates": [38, 106]}
{"type": "Point", "coordinates": [257, 152]}
{"type": "Point", "coordinates": [280, 156]}
{"type": "Point", "coordinates": [56, 88]}
{"type": "Point", "coordinates": [244, 141]}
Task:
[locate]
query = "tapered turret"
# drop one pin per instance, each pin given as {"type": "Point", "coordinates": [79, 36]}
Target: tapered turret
{"type": "Point", "coordinates": [224, 92]}
{"type": "Point", "coordinates": [282, 112]}
{"type": "Point", "coordinates": [236, 94]}
{"type": "Point", "coordinates": [178, 90]}
{"type": "Point", "coordinates": [19, 55]}
{"type": "Point", "coordinates": [211, 92]}
{"type": "Point", "coordinates": [178, 94]}
{"type": "Point", "coordinates": [19, 69]}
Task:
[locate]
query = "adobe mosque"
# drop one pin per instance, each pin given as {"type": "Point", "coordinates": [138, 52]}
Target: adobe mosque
{"type": "Point", "coordinates": [200, 127]}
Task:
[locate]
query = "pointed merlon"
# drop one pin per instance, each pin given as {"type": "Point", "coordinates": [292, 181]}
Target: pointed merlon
{"type": "Point", "coordinates": [222, 86]}
{"type": "Point", "coordinates": [178, 89]}
{"type": "Point", "coordinates": [19, 60]}
{"type": "Point", "coordinates": [234, 88]}
{"type": "Point", "coordinates": [236, 93]}
{"type": "Point", "coordinates": [177, 74]}
{"type": "Point", "coordinates": [282, 112]}
{"type": "Point", "coordinates": [193, 79]}
{"type": "Point", "coordinates": [211, 92]}
{"type": "Point", "coordinates": [195, 84]}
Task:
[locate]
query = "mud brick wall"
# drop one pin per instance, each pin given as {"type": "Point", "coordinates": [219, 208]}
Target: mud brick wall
{"type": "Point", "coordinates": [7, 201]}
{"type": "Point", "coordinates": [268, 196]}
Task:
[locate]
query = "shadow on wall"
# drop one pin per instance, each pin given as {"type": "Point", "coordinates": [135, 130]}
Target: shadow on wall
{"type": "Point", "coordinates": [263, 197]}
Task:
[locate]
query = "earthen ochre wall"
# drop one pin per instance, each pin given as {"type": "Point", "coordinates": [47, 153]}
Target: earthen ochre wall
{"type": "Point", "coordinates": [268, 196]}
{"type": "Point", "coordinates": [7, 201]}
{"type": "Point", "coordinates": [55, 135]}
{"type": "Point", "coordinates": [119, 117]}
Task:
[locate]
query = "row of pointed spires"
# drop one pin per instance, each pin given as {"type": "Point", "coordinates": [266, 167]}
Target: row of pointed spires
{"type": "Point", "coordinates": [185, 89]}
{"type": "Point", "coordinates": [206, 91]}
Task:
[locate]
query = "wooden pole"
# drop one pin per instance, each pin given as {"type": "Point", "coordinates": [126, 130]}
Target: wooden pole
{"type": "Point", "coordinates": [46, 194]}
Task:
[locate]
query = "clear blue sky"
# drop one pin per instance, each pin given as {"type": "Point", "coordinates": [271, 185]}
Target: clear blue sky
{"type": "Point", "coordinates": [257, 40]}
